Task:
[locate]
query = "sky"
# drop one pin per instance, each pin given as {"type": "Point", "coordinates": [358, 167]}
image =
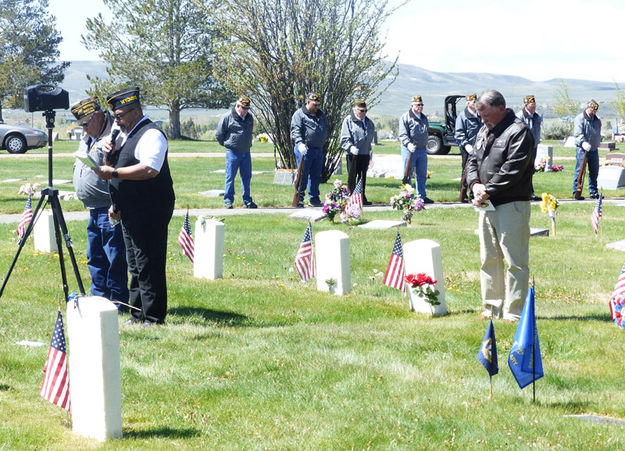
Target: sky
{"type": "Point", "coordinates": [535, 39]}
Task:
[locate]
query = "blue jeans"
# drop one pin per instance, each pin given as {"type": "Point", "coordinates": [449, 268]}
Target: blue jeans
{"type": "Point", "coordinates": [419, 165]}
{"type": "Point", "coordinates": [592, 165]}
{"type": "Point", "coordinates": [106, 257]}
{"type": "Point", "coordinates": [311, 172]}
{"type": "Point", "coordinates": [242, 162]}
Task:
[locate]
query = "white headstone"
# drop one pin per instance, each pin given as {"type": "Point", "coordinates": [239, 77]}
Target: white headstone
{"type": "Point", "coordinates": [424, 256]}
{"type": "Point", "coordinates": [212, 193]}
{"type": "Point", "coordinates": [546, 152]}
{"type": "Point", "coordinates": [209, 249]}
{"type": "Point", "coordinates": [381, 224]}
{"type": "Point", "coordinates": [43, 233]}
{"type": "Point", "coordinates": [94, 370]}
{"type": "Point", "coordinates": [611, 177]}
{"type": "Point", "coordinates": [309, 214]}
{"type": "Point", "coordinates": [617, 245]}
{"type": "Point", "coordinates": [333, 262]}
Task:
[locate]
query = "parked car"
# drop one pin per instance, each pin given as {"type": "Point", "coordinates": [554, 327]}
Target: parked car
{"type": "Point", "coordinates": [441, 134]}
{"type": "Point", "coordinates": [19, 138]}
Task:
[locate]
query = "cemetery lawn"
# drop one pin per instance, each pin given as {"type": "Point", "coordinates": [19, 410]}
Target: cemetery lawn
{"type": "Point", "coordinates": [259, 360]}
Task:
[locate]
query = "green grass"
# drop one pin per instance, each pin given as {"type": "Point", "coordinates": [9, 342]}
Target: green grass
{"type": "Point", "coordinates": [258, 360]}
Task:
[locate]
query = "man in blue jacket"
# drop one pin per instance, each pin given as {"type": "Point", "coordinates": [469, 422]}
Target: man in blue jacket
{"type": "Point", "coordinates": [587, 133]}
{"type": "Point", "coordinates": [309, 130]}
{"type": "Point", "coordinates": [413, 135]}
{"type": "Point", "coordinates": [234, 132]}
{"type": "Point", "coordinates": [468, 123]}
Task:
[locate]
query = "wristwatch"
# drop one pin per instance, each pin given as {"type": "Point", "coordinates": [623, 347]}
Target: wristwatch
{"type": "Point", "coordinates": [115, 174]}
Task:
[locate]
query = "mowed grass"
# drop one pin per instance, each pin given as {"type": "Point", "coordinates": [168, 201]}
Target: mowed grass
{"type": "Point", "coordinates": [259, 360]}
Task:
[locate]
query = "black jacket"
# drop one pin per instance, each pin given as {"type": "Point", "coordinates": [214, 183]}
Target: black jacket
{"type": "Point", "coordinates": [503, 161]}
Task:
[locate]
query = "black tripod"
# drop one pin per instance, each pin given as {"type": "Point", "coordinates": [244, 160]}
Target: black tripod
{"type": "Point", "coordinates": [50, 195]}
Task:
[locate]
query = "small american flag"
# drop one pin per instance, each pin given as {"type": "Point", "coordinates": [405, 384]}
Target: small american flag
{"type": "Point", "coordinates": [185, 239]}
{"type": "Point", "coordinates": [305, 260]}
{"type": "Point", "coordinates": [355, 200]}
{"type": "Point", "coordinates": [619, 291]}
{"type": "Point", "coordinates": [596, 215]}
{"type": "Point", "coordinates": [394, 277]}
{"type": "Point", "coordinates": [27, 215]}
{"type": "Point", "coordinates": [55, 386]}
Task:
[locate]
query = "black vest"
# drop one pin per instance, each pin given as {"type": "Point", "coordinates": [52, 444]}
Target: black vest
{"type": "Point", "coordinates": [141, 196]}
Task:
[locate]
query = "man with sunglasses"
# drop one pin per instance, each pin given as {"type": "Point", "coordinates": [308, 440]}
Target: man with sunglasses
{"type": "Point", "coordinates": [309, 130]}
{"type": "Point", "coordinates": [357, 134]}
{"type": "Point", "coordinates": [234, 132]}
{"type": "Point", "coordinates": [106, 252]}
{"type": "Point", "coordinates": [413, 135]}
{"type": "Point", "coordinates": [143, 199]}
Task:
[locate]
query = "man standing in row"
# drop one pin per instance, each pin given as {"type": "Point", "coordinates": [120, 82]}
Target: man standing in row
{"type": "Point", "coordinates": [106, 253]}
{"type": "Point", "coordinates": [500, 171]}
{"type": "Point", "coordinates": [413, 135]}
{"type": "Point", "coordinates": [143, 198]}
{"type": "Point", "coordinates": [234, 132]}
{"type": "Point", "coordinates": [357, 134]}
{"type": "Point", "coordinates": [309, 130]}
{"type": "Point", "coordinates": [532, 119]}
{"type": "Point", "coordinates": [468, 123]}
{"type": "Point", "coordinates": [587, 133]}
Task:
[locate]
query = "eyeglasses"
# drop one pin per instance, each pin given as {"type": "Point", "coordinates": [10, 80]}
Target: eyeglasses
{"type": "Point", "coordinates": [362, 110]}
{"type": "Point", "coordinates": [418, 104]}
{"type": "Point", "coordinates": [121, 115]}
{"type": "Point", "coordinates": [244, 107]}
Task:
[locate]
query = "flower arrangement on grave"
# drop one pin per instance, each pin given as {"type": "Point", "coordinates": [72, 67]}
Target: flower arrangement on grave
{"type": "Point", "coordinates": [541, 165]}
{"type": "Point", "coordinates": [424, 285]}
{"type": "Point", "coordinates": [549, 205]}
{"type": "Point", "coordinates": [557, 168]}
{"type": "Point", "coordinates": [407, 202]}
{"type": "Point", "coordinates": [336, 203]}
{"type": "Point", "coordinates": [29, 189]}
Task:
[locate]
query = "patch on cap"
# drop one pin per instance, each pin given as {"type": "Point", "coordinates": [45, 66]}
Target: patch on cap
{"type": "Point", "coordinates": [529, 99]}
{"type": "Point", "coordinates": [85, 108]}
{"type": "Point", "coordinates": [123, 97]}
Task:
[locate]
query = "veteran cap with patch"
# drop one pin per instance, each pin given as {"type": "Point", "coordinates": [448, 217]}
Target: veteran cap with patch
{"type": "Point", "coordinates": [314, 96]}
{"type": "Point", "coordinates": [360, 104]}
{"type": "Point", "coordinates": [123, 97]}
{"type": "Point", "coordinates": [85, 108]}
{"type": "Point", "coordinates": [416, 99]}
{"type": "Point", "coordinates": [471, 97]}
{"type": "Point", "coordinates": [529, 99]}
{"type": "Point", "coordinates": [593, 104]}
{"type": "Point", "coordinates": [244, 101]}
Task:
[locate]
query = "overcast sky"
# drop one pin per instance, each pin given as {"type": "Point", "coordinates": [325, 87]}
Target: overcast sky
{"type": "Point", "coordinates": [535, 39]}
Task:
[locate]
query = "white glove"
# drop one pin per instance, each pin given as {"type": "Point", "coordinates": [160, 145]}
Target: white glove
{"type": "Point", "coordinates": [468, 148]}
{"type": "Point", "coordinates": [411, 147]}
{"type": "Point", "coordinates": [302, 148]}
{"type": "Point", "coordinates": [586, 146]}
{"type": "Point", "coordinates": [353, 150]}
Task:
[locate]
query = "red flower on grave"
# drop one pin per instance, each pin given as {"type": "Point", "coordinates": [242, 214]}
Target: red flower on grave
{"type": "Point", "coordinates": [425, 286]}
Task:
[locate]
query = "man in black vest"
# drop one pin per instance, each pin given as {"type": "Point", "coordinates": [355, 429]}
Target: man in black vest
{"type": "Point", "coordinates": [143, 199]}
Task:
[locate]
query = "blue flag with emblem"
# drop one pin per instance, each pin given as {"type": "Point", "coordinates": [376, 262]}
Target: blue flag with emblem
{"type": "Point", "coordinates": [525, 361]}
{"type": "Point", "coordinates": [488, 351]}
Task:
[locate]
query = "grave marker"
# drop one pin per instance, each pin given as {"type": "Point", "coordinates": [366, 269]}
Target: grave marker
{"type": "Point", "coordinates": [209, 249]}
{"type": "Point", "coordinates": [424, 256]}
{"type": "Point", "coordinates": [333, 262]}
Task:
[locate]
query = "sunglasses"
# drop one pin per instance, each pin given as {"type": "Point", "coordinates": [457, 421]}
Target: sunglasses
{"type": "Point", "coordinates": [121, 115]}
{"type": "Point", "coordinates": [362, 110]}
{"type": "Point", "coordinates": [418, 104]}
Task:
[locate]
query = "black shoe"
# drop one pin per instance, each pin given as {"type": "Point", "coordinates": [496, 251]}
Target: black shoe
{"type": "Point", "coordinates": [427, 200]}
{"type": "Point", "coordinates": [132, 320]}
{"type": "Point", "coordinates": [579, 198]}
{"type": "Point", "coordinates": [228, 205]}
{"type": "Point", "coordinates": [594, 196]}
{"type": "Point", "coordinates": [300, 204]}
{"type": "Point", "coordinates": [366, 202]}
{"type": "Point", "coordinates": [535, 197]}
{"type": "Point", "coordinates": [148, 323]}
{"type": "Point", "coordinates": [315, 202]}
{"type": "Point", "coordinates": [250, 204]}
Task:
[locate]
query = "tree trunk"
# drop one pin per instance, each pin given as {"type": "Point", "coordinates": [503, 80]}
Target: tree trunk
{"type": "Point", "coordinates": [174, 120]}
{"type": "Point", "coordinates": [1, 120]}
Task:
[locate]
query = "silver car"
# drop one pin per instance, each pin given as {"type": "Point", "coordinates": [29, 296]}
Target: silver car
{"type": "Point", "coordinates": [19, 138]}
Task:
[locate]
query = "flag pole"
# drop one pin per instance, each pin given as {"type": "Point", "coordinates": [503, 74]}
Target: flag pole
{"type": "Point", "coordinates": [534, 348]}
{"type": "Point", "coordinates": [490, 394]}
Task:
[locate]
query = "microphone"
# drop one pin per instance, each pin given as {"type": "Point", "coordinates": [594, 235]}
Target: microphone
{"type": "Point", "coordinates": [114, 136]}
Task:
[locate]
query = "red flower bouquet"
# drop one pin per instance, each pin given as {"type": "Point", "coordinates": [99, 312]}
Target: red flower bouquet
{"type": "Point", "coordinates": [425, 286]}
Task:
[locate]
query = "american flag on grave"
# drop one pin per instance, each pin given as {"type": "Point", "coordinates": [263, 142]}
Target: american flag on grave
{"type": "Point", "coordinates": [394, 277]}
{"type": "Point", "coordinates": [55, 386]}
{"type": "Point", "coordinates": [596, 214]}
{"type": "Point", "coordinates": [185, 239]}
{"type": "Point", "coordinates": [618, 293]}
{"type": "Point", "coordinates": [27, 215]}
{"type": "Point", "coordinates": [305, 260]}
{"type": "Point", "coordinates": [354, 202]}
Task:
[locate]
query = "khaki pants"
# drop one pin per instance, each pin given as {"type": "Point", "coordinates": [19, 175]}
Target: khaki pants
{"type": "Point", "coordinates": [504, 235]}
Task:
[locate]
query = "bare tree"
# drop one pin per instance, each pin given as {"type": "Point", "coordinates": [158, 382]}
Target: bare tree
{"type": "Point", "coordinates": [279, 50]}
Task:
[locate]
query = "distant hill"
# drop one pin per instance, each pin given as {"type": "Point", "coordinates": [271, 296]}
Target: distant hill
{"type": "Point", "coordinates": [432, 86]}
